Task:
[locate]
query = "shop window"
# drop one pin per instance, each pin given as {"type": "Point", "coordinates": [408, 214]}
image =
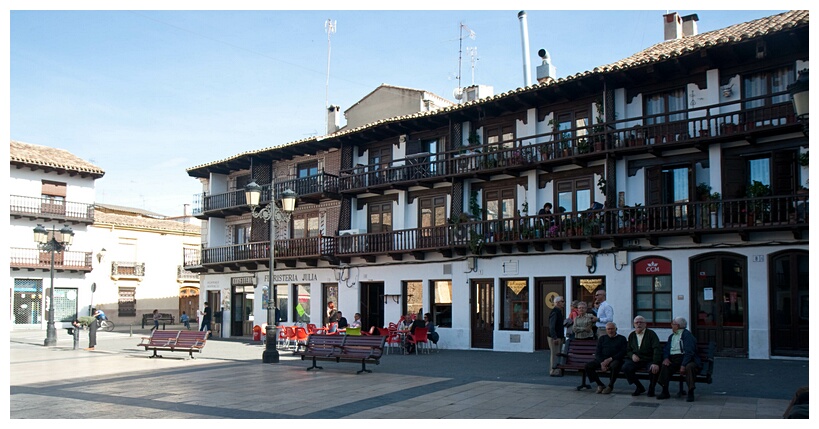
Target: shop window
{"type": "Point", "coordinates": [652, 291]}
{"type": "Point", "coordinates": [301, 310]}
{"type": "Point", "coordinates": [281, 302]}
{"type": "Point", "coordinates": [515, 309]}
{"type": "Point", "coordinates": [442, 303]}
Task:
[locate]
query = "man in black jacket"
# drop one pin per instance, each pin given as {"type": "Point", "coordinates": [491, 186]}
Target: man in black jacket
{"type": "Point", "coordinates": [643, 351]}
{"type": "Point", "coordinates": [556, 333]}
{"type": "Point", "coordinates": [611, 349]}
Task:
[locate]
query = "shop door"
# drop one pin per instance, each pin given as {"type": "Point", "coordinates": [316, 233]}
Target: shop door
{"type": "Point", "coordinates": [720, 285]}
{"type": "Point", "coordinates": [372, 305]}
{"type": "Point", "coordinates": [789, 303]}
{"type": "Point", "coordinates": [547, 291]}
{"type": "Point", "coordinates": [241, 310]}
{"type": "Point", "coordinates": [483, 314]}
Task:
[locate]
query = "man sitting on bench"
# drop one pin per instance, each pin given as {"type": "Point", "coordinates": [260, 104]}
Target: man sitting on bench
{"type": "Point", "coordinates": [680, 354]}
{"type": "Point", "coordinates": [611, 349]}
{"type": "Point", "coordinates": [644, 352]}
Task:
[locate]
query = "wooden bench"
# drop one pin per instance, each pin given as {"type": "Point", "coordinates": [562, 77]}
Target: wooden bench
{"type": "Point", "coordinates": [344, 348]}
{"type": "Point", "coordinates": [175, 341]}
{"type": "Point", "coordinates": [580, 352]}
{"type": "Point", "coordinates": [148, 318]}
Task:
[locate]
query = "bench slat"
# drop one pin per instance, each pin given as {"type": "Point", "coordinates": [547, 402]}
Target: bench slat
{"type": "Point", "coordinates": [343, 348]}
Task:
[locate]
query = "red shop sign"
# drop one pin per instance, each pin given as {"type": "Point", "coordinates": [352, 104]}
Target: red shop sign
{"type": "Point", "coordinates": [652, 267]}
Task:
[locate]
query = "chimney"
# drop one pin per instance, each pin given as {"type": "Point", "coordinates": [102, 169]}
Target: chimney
{"type": "Point", "coordinates": [672, 26]}
{"type": "Point", "coordinates": [690, 25]}
{"type": "Point", "coordinates": [545, 70]}
{"type": "Point", "coordinates": [333, 119]}
{"type": "Point", "coordinates": [524, 35]}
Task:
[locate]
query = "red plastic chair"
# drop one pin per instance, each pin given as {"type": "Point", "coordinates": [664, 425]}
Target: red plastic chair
{"type": "Point", "coordinates": [391, 338]}
{"type": "Point", "coordinates": [290, 335]}
{"type": "Point", "coordinates": [301, 337]}
{"type": "Point", "coordinates": [281, 339]}
{"type": "Point", "coordinates": [418, 338]}
{"type": "Point", "coordinates": [312, 328]}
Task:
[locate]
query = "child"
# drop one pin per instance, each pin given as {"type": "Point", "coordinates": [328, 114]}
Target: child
{"type": "Point", "coordinates": [185, 321]}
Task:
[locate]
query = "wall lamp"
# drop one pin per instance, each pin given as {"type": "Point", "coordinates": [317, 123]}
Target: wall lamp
{"type": "Point", "coordinates": [801, 100]}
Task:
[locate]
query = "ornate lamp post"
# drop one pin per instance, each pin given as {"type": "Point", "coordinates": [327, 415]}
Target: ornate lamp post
{"type": "Point", "coordinates": [801, 101]}
{"type": "Point", "coordinates": [272, 213]}
{"type": "Point", "coordinates": [53, 242]}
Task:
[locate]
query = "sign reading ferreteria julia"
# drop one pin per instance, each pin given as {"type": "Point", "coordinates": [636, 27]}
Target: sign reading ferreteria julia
{"type": "Point", "coordinates": [305, 277]}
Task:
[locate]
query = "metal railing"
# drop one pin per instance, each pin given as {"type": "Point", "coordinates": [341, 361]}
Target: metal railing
{"type": "Point", "coordinates": [34, 258]}
{"type": "Point", "coordinates": [50, 209]}
{"type": "Point", "coordinates": [127, 269]}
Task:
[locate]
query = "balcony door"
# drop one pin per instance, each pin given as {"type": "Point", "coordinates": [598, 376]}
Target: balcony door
{"type": "Point", "coordinates": [670, 188]}
{"type": "Point", "coordinates": [432, 221]}
{"type": "Point", "coordinates": [379, 226]}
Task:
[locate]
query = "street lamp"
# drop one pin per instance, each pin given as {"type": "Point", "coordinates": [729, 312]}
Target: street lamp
{"type": "Point", "coordinates": [801, 101]}
{"type": "Point", "coordinates": [274, 214]}
{"type": "Point", "coordinates": [53, 242]}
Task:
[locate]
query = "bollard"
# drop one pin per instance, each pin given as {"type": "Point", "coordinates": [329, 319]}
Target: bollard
{"type": "Point", "coordinates": [131, 330]}
{"type": "Point", "coordinates": [76, 338]}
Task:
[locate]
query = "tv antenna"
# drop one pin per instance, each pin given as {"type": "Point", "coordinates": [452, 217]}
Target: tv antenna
{"type": "Point", "coordinates": [330, 27]}
{"type": "Point", "coordinates": [471, 35]}
{"type": "Point", "coordinates": [473, 55]}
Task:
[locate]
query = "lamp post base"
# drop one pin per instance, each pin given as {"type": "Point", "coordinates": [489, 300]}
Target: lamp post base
{"type": "Point", "coordinates": [270, 354]}
{"type": "Point", "coordinates": [51, 336]}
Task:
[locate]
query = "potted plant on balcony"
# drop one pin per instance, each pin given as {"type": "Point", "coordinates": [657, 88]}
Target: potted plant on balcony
{"type": "Point", "coordinates": [713, 206]}
{"type": "Point", "coordinates": [759, 209]}
{"type": "Point", "coordinates": [583, 145]}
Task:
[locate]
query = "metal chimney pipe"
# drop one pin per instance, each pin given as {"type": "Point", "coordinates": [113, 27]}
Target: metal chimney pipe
{"type": "Point", "coordinates": [524, 34]}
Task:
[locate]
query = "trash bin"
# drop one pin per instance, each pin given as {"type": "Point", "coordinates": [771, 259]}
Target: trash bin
{"type": "Point", "coordinates": [257, 333]}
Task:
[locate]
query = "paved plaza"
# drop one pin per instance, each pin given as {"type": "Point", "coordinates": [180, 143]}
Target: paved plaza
{"type": "Point", "coordinates": [228, 380]}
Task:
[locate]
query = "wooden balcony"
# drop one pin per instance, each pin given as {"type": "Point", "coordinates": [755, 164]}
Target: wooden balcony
{"type": "Point", "coordinates": [34, 259]}
{"type": "Point", "coordinates": [620, 227]}
{"type": "Point", "coordinates": [50, 211]}
{"type": "Point", "coordinates": [312, 189]}
{"type": "Point", "coordinates": [653, 134]}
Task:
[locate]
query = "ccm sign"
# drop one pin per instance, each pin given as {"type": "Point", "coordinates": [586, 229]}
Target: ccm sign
{"type": "Point", "coordinates": [652, 267]}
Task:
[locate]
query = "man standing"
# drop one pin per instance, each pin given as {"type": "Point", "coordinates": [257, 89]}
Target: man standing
{"type": "Point", "coordinates": [605, 313]}
{"type": "Point", "coordinates": [611, 349]}
{"type": "Point", "coordinates": [332, 316]}
{"type": "Point", "coordinates": [556, 333]}
{"type": "Point", "coordinates": [680, 354]}
{"type": "Point", "coordinates": [206, 320]}
{"type": "Point", "coordinates": [643, 351]}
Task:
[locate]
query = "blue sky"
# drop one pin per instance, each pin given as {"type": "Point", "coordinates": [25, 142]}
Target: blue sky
{"type": "Point", "coordinates": [146, 94]}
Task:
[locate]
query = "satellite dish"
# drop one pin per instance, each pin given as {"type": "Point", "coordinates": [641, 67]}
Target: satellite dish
{"type": "Point", "coordinates": [458, 93]}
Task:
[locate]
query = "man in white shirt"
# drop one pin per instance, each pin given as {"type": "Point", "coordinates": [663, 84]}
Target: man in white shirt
{"type": "Point", "coordinates": [605, 314]}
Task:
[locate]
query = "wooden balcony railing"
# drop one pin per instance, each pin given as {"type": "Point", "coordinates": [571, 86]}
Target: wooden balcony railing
{"type": "Point", "coordinates": [63, 261]}
{"type": "Point", "coordinates": [311, 188]}
{"type": "Point", "coordinates": [127, 269]}
{"type": "Point", "coordinates": [693, 219]}
{"type": "Point", "coordinates": [649, 133]}
{"type": "Point", "coordinates": [47, 209]}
